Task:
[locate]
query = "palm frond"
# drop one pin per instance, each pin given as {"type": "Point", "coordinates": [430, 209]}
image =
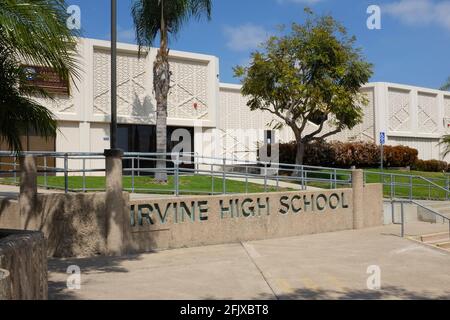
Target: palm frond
{"type": "Point", "coordinates": [147, 16]}
{"type": "Point", "coordinates": [446, 86]}
{"type": "Point", "coordinates": [446, 142]}
{"type": "Point", "coordinates": [37, 32]}
{"type": "Point", "coordinates": [18, 113]}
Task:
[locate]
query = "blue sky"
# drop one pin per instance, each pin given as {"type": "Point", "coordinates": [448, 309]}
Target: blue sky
{"type": "Point", "coordinates": [413, 46]}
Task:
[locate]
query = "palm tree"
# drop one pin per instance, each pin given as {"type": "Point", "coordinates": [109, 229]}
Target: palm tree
{"type": "Point", "coordinates": [446, 142]}
{"type": "Point", "coordinates": [163, 17]}
{"type": "Point", "coordinates": [31, 32]}
{"type": "Point", "coordinates": [446, 86]}
{"type": "Point", "coordinates": [18, 113]}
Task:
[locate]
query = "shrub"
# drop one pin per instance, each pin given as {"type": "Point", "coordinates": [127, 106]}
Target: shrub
{"type": "Point", "coordinates": [431, 166]}
{"type": "Point", "coordinates": [320, 153]}
{"type": "Point", "coordinates": [288, 152]}
{"type": "Point", "coordinates": [360, 154]}
{"type": "Point", "coordinates": [400, 156]}
{"type": "Point", "coordinates": [334, 154]}
{"type": "Point", "coordinates": [347, 154]}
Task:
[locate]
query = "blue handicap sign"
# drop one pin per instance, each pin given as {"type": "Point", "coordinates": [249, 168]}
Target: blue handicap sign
{"type": "Point", "coordinates": [382, 138]}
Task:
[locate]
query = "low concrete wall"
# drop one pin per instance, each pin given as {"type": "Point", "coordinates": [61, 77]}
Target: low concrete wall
{"type": "Point", "coordinates": [76, 224]}
{"type": "Point", "coordinates": [83, 225]}
{"type": "Point", "coordinates": [24, 255]}
{"type": "Point", "coordinates": [170, 223]}
{"type": "Point", "coordinates": [410, 213]}
{"type": "Point", "coordinates": [9, 214]}
{"type": "Point", "coordinates": [373, 205]}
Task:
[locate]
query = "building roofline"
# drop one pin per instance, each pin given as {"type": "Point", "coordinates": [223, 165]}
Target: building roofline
{"type": "Point", "coordinates": [122, 46]}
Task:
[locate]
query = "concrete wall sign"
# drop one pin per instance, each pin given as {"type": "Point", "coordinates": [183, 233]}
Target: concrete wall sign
{"type": "Point", "coordinates": [182, 211]}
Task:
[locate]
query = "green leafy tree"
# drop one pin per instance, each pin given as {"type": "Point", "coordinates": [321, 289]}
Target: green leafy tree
{"type": "Point", "coordinates": [164, 18]}
{"type": "Point", "coordinates": [311, 75]}
{"type": "Point", "coordinates": [31, 32]}
{"type": "Point", "coordinates": [446, 86]}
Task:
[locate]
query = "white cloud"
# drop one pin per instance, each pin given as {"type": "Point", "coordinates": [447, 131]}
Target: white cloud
{"type": "Point", "coordinates": [245, 37]}
{"type": "Point", "coordinates": [420, 12]}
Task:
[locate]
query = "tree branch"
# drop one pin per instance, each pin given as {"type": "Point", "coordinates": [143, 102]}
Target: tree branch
{"type": "Point", "coordinates": [312, 134]}
{"type": "Point", "coordinates": [328, 134]}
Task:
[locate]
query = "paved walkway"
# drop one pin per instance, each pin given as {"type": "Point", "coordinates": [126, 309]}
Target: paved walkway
{"type": "Point", "coordinates": [322, 266]}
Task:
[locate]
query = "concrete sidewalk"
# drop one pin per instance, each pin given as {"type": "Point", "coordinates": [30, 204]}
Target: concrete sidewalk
{"type": "Point", "coordinates": [322, 266]}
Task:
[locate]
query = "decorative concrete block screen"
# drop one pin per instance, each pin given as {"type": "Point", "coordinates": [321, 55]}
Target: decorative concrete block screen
{"type": "Point", "coordinates": [188, 98]}
{"type": "Point", "coordinates": [399, 110]}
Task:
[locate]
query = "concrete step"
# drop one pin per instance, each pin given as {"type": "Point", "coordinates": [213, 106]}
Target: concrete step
{"type": "Point", "coordinates": [444, 245]}
{"type": "Point", "coordinates": [440, 206]}
{"type": "Point", "coordinates": [435, 238]}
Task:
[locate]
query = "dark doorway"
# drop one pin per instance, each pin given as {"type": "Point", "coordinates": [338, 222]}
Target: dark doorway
{"type": "Point", "coordinates": [142, 139]}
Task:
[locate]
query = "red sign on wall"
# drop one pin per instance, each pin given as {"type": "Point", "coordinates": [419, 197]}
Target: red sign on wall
{"type": "Point", "coordinates": [47, 79]}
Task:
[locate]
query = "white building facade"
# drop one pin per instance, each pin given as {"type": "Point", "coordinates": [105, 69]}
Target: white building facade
{"type": "Point", "coordinates": [216, 114]}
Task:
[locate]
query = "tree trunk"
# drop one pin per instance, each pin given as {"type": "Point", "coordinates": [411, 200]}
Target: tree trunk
{"type": "Point", "coordinates": [161, 74]}
{"type": "Point", "coordinates": [161, 83]}
{"type": "Point", "coordinates": [300, 155]}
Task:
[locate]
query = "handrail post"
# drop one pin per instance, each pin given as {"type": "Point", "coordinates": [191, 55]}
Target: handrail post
{"type": "Point", "coordinates": [132, 174]}
{"type": "Point", "coordinates": [448, 187]}
{"type": "Point", "coordinates": [45, 173]}
{"type": "Point", "coordinates": [393, 211]}
{"type": "Point", "coordinates": [15, 171]}
{"type": "Point", "coordinates": [304, 187]}
{"type": "Point", "coordinates": [246, 179]}
{"type": "Point", "coordinates": [392, 187]}
{"type": "Point", "coordinates": [335, 179]}
{"type": "Point", "coordinates": [139, 165]}
{"type": "Point", "coordinates": [212, 179]}
{"type": "Point", "coordinates": [224, 181]}
{"type": "Point", "coordinates": [265, 177]}
{"type": "Point", "coordinates": [403, 219]}
{"type": "Point", "coordinates": [410, 187]}
{"type": "Point", "coordinates": [176, 177]}
{"type": "Point", "coordinates": [84, 174]}
{"type": "Point", "coordinates": [66, 173]}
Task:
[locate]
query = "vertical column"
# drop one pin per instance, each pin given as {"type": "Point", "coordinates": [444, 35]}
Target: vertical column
{"type": "Point", "coordinates": [381, 110]}
{"type": "Point", "coordinates": [28, 190]}
{"type": "Point", "coordinates": [115, 203]}
{"type": "Point", "coordinates": [414, 126]}
{"type": "Point", "coordinates": [358, 198]}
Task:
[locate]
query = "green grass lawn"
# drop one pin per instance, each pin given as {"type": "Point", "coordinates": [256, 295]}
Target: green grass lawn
{"type": "Point", "coordinates": [203, 184]}
{"type": "Point", "coordinates": [400, 182]}
{"type": "Point", "coordinates": [188, 185]}
{"type": "Point", "coordinates": [421, 188]}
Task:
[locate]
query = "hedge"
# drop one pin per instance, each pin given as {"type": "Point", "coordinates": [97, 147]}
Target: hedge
{"type": "Point", "coordinates": [432, 166]}
{"type": "Point", "coordinates": [348, 154]}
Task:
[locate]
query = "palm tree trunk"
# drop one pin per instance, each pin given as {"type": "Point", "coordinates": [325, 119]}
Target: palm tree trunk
{"type": "Point", "coordinates": [161, 83]}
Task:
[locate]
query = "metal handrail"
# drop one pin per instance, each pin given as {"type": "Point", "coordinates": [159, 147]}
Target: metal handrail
{"type": "Point", "coordinates": [402, 223]}
{"type": "Point", "coordinates": [218, 168]}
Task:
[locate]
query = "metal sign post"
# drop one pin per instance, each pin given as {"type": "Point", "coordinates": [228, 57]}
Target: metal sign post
{"type": "Point", "coordinates": [382, 143]}
{"type": "Point", "coordinates": [113, 141]}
